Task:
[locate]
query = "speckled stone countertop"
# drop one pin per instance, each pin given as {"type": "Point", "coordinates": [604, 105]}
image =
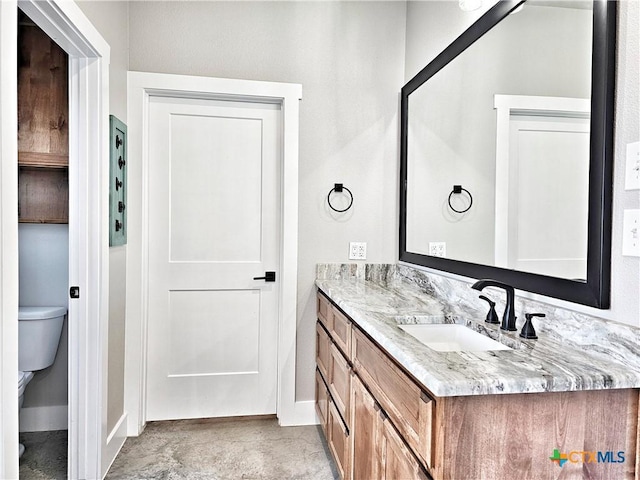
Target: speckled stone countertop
{"type": "Point", "coordinates": [585, 355]}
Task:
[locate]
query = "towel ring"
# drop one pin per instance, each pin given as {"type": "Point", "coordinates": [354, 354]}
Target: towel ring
{"type": "Point", "coordinates": [338, 187]}
{"type": "Point", "coordinates": [458, 189]}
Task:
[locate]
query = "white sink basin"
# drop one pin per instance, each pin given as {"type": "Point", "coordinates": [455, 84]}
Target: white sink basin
{"type": "Point", "coordinates": [452, 338]}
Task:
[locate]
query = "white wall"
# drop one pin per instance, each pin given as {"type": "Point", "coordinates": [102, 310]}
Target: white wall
{"type": "Point", "coordinates": [431, 26]}
{"type": "Point", "coordinates": [349, 58]}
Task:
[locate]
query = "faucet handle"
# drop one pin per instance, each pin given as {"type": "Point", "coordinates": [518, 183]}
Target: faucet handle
{"type": "Point", "coordinates": [492, 316]}
{"type": "Point", "coordinates": [528, 331]}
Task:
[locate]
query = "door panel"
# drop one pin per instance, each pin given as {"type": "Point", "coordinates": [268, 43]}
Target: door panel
{"type": "Point", "coordinates": [210, 158]}
{"type": "Point", "coordinates": [213, 226]}
{"type": "Point", "coordinates": [548, 195]}
{"type": "Point", "coordinates": [203, 340]}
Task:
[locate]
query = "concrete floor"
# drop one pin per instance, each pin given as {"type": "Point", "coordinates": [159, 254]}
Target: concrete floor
{"type": "Point", "coordinates": [254, 448]}
{"type": "Point", "coordinates": [213, 449]}
{"type": "Point", "coordinates": [45, 455]}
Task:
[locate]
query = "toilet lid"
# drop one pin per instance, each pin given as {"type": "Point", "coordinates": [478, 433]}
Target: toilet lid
{"type": "Point", "coordinates": [40, 313]}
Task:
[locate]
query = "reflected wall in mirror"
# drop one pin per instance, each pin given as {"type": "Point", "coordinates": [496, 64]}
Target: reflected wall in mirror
{"type": "Point", "coordinates": [508, 111]}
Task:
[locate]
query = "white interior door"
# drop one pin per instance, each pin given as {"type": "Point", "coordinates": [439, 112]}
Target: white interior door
{"type": "Point", "coordinates": [214, 225]}
{"type": "Point", "coordinates": [548, 195]}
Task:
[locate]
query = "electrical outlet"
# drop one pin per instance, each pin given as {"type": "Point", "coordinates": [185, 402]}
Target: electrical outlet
{"type": "Point", "coordinates": [438, 249]}
{"type": "Point", "coordinates": [632, 171]}
{"type": "Point", "coordinates": [631, 233]}
{"type": "Point", "coordinates": [357, 250]}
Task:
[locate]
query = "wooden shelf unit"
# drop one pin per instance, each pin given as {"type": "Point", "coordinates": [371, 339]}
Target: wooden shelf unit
{"type": "Point", "coordinates": [43, 130]}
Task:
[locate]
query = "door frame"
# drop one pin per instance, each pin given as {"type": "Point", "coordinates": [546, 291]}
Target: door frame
{"type": "Point", "coordinates": [140, 87]}
{"type": "Point", "coordinates": [88, 240]}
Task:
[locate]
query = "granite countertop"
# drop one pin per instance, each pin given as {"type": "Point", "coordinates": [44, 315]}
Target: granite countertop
{"type": "Point", "coordinates": [549, 364]}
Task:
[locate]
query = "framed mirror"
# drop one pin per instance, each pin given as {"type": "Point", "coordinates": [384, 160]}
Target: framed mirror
{"type": "Point", "coordinates": [507, 151]}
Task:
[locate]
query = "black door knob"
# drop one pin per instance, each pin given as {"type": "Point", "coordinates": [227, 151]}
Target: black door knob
{"type": "Point", "coordinates": [268, 277]}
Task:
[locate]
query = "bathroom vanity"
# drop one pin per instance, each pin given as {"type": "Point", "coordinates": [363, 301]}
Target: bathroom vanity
{"type": "Point", "coordinates": [393, 407]}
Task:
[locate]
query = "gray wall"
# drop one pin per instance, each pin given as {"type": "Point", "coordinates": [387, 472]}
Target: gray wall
{"type": "Point", "coordinates": [43, 279]}
{"type": "Point", "coordinates": [431, 26]}
{"type": "Point", "coordinates": [349, 58]}
{"type": "Point", "coordinates": [111, 20]}
{"type": "Point", "coordinates": [625, 271]}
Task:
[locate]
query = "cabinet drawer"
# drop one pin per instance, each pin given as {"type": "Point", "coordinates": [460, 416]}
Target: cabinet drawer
{"type": "Point", "coordinates": [339, 443]}
{"type": "Point", "coordinates": [340, 381]}
{"type": "Point", "coordinates": [323, 352]}
{"type": "Point", "coordinates": [341, 332]}
{"type": "Point", "coordinates": [408, 407]}
{"type": "Point", "coordinates": [325, 312]}
{"type": "Point", "coordinates": [322, 402]}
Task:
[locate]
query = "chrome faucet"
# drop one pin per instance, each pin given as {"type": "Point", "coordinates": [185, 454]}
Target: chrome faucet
{"type": "Point", "coordinates": [509, 317]}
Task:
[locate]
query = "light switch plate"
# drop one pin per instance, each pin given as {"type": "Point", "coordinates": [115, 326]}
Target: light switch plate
{"type": "Point", "coordinates": [632, 171]}
{"type": "Point", "coordinates": [631, 233]}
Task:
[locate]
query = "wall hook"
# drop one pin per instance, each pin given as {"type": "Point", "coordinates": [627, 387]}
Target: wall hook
{"type": "Point", "coordinates": [338, 188]}
{"type": "Point", "coordinates": [458, 189]}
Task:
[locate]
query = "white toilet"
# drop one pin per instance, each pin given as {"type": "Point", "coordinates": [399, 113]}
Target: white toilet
{"type": "Point", "coordinates": [39, 330]}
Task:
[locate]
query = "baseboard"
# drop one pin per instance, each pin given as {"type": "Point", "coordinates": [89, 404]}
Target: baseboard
{"type": "Point", "coordinates": [115, 441]}
{"type": "Point", "coordinates": [42, 419]}
{"type": "Point", "coordinates": [304, 414]}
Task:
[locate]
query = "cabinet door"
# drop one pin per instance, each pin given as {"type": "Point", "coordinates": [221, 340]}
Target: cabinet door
{"type": "Point", "coordinates": [365, 424]}
{"type": "Point", "coordinates": [339, 442]}
{"type": "Point", "coordinates": [325, 312]}
{"type": "Point", "coordinates": [322, 402]}
{"type": "Point", "coordinates": [410, 409]}
{"type": "Point", "coordinates": [398, 460]}
{"type": "Point", "coordinates": [341, 332]}
{"type": "Point", "coordinates": [322, 351]}
{"type": "Point", "coordinates": [339, 381]}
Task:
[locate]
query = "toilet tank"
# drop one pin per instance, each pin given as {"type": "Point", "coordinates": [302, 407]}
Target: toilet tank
{"type": "Point", "coordinates": [39, 330]}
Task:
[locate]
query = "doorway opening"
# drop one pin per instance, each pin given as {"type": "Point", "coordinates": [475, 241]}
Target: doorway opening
{"type": "Point", "coordinates": [43, 244]}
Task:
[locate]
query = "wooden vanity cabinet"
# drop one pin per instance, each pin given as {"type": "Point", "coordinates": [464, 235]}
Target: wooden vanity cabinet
{"type": "Point", "coordinates": [363, 436]}
{"type": "Point", "coordinates": [397, 430]}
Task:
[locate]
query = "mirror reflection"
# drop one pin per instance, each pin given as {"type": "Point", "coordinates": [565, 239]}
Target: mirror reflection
{"type": "Point", "coordinates": [508, 120]}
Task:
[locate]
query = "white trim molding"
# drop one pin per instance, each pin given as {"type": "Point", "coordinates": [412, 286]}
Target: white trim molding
{"type": "Point", "coordinates": [88, 240]}
{"type": "Point", "coordinates": [8, 240]}
{"type": "Point", "coordinates": [142, 85]}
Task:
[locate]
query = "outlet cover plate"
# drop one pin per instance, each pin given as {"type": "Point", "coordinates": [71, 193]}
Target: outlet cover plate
{"type": "Point", "coordinates": [438, 249]}
{"type": "Point", "coordinates": [357, 250]}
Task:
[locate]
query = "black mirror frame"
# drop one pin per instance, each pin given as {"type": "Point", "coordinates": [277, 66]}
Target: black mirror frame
{"type": "Point", "coordinates": [595, 292]}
